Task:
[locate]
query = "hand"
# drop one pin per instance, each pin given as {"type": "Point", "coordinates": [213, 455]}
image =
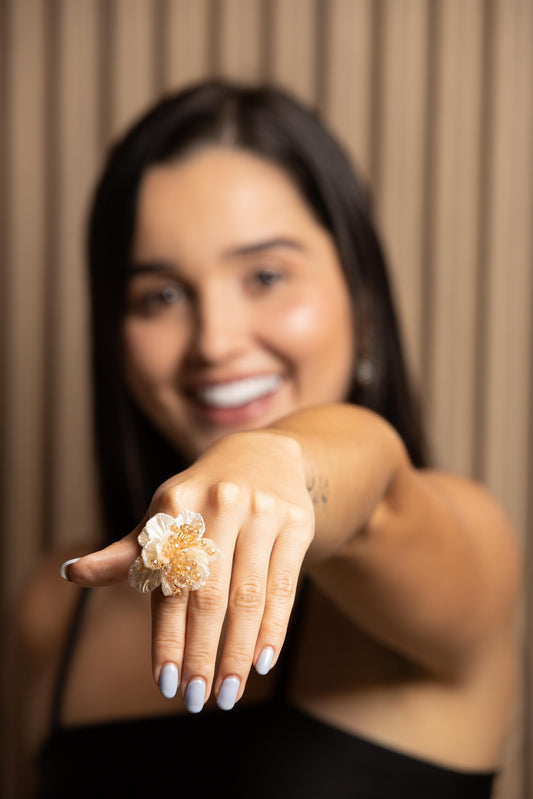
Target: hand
{"type": "Point", "coordinates": [250, 489]}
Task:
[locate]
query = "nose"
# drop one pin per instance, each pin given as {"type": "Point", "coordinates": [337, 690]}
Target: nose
{"type": "Point", "coordinates": [222, 328]}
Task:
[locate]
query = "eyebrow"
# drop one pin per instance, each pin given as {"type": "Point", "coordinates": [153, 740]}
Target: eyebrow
{"type": "Point", "coordinates": [139, 268]}
{"type": "Point", "coordinates": [281, 242]}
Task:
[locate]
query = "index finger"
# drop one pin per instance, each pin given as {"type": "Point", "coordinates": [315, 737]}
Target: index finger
{"type": "Point", "coordinates": [106, 566]}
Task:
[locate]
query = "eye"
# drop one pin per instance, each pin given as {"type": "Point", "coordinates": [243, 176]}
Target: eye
{"type": "Point", "coordinates": [171, 294]}
{"type": "Point", "coordinates": [266, 277]}
{"type": "Point", "coordinates": [155, 300]}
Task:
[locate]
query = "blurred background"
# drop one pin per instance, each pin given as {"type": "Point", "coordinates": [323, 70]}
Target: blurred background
{"type": "Point", "coordinates": [434, 101]}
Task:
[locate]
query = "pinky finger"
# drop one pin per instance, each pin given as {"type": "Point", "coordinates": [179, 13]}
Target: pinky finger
{"type": "Point", "coordinates": [280, 594]}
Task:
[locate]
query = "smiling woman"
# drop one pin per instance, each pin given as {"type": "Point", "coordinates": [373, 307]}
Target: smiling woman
{"type": "Point", "coordinates": [351, 608]}
{"type": "Point", "coordinates": [247, 300]}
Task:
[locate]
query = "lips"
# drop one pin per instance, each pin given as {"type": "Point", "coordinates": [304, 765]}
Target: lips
{"type": "Point", "coordinates": [236, 393]}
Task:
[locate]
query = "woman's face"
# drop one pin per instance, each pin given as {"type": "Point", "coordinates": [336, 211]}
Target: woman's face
{"type": "Point", "coordinates": [238, 312]}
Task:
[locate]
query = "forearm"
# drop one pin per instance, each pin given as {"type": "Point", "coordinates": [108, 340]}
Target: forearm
{"type": "Point", "coordinates": [428, 572]}
{"type": "Point", "coordinates": [351, 456]}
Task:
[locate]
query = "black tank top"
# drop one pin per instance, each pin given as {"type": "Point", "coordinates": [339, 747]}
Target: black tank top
{"type": "Point", "coordinates": [264, 751]}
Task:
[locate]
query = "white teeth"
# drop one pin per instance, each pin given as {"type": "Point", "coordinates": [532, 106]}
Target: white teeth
{"type": "Point", "coordinates": [238, 392]}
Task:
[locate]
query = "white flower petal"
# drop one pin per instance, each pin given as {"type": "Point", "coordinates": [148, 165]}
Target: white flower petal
{"type": "Point", "coordinates": [151, 554]}
{"type": "Point", "coordinates": [156, 527]}
{"type": "Point", "coordinates": [143, 579]}
{"type": "Point", "coordinates": [143, 537]}
{"type": "Point", "coordinates": [166, 587]}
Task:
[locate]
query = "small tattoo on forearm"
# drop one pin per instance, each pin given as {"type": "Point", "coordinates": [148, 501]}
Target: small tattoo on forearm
{"type": "Point", "coordinates": [325, 491]}
{"type": "Point", "coordinates": [318, 489]}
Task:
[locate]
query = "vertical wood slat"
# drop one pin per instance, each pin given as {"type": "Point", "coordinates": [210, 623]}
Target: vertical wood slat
{"type": "Point", "coordinates": [400, 180]}
{"type": "Point", "coordinates": [240, 46]}
{"type": "Point", "coordinates": [133, 60]}
{"type": "Point", "coordinates": [77, 160]}
{"type": "Point", "coordinates": [293, 60]}
{"type": "Point", "coordinates": [455, 232]}
{"type": "Point", "coordinates": [509, 272]}
{"type": "Point", "coordinates": [348, 101]}
{"type": "Point", "coordinates": [4, 45]}
{"type": "Point", "coordinates": [185, 42]}
{"type": "Point", "coordinates": [24, 322]}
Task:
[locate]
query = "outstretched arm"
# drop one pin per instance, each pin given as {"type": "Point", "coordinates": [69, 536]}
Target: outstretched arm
{"type": "Point", "coordinates": [427, 564]}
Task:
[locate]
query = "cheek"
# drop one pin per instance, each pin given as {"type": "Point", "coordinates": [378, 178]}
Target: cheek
{"type": "Point", "coordinates": [314, 326]}
{"type": "Point", "coordinates": [151, 353]}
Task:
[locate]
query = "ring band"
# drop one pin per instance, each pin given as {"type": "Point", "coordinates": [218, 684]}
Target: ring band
{"type": "Point", "coordinates": [175, 555]}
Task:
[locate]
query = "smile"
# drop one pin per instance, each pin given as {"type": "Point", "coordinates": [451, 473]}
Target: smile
{"type": "Point", "coordinates": [238, 392]}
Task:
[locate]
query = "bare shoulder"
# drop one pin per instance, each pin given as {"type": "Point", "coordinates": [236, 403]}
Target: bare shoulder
{"type": "Point", "coordinates": [477, 507]}
{"type": "Point", "coordinates": [489, 528]}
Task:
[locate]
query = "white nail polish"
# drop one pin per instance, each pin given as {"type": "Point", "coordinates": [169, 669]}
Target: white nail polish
{"type": "Point", "coordinates": [195, 695]}
{"type": "Point", "coordinates": [227, 696]}
{"type": "Point", "coordinates": [168, 680]}
{"type": "Point", "coordinates": [63, 571]}
{"type": "Point", "coordinates": [264, 661]}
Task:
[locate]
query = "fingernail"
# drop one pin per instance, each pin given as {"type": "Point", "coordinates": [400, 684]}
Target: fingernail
{"type": "Point", "coordinates": [168, 680]}
{"type": "Point", "coordinates": [63, 571]}
{"type": "Point", "coordinates": [264, 661]}
{"type": "Point", "coordinates": [227, 696]}
{"type": "Point", "coordinates": [195, 695]}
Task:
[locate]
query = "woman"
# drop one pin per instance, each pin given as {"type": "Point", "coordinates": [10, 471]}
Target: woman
{"type": "Point", "coordinates": [351, 608]}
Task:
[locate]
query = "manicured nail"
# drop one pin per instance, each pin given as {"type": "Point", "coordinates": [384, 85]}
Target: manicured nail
{"type": "Point", "coordinates": [227, 696]}
{"type": "Point", "coordinates": [195, 695]}
{"type": "Point", "coordinates": [264, 661]}
{"type": "Point", "coordinates": [168, 680]}
{"type": "Point", "coordinates": [63, 571]}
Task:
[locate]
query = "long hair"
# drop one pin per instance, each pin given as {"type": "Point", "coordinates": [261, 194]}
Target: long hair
{"type": "Point", "coordinates": [132, 457]}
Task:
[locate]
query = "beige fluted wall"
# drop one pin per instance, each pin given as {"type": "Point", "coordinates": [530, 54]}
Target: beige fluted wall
{"type": "Point", "coordinates": [434, 99]}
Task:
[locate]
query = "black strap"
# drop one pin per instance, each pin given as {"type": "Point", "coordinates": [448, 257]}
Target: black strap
{"type": "Point", "coordinates": [66, 658]}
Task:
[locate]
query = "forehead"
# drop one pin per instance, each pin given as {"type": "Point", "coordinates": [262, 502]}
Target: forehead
{"type": "Point", "coordinates": [220, 189]}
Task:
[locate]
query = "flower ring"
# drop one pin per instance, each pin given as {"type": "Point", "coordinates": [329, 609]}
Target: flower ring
{"type": "Point", "coordinates": [175, 555]}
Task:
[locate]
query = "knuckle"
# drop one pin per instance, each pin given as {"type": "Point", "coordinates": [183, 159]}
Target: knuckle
{"type": "Point", "coordinates": [200, 660]}
{"type": "Point", "coordinates": [167, 642]}
{"type": "Point", "coordinates": [299, 517]}
{"type": "Point", "coordinates": [283, 586]}
{"type": "Point", "coordinates": [247, 596]}
{"type": "Point", "coordinates": [208, 599]}
{"type": "Point", "coordinates": [225, 494]}
{"type": "Point", "coordinates": [262, 503]}
{"type": "Point", "coordinates": [167, 499]}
